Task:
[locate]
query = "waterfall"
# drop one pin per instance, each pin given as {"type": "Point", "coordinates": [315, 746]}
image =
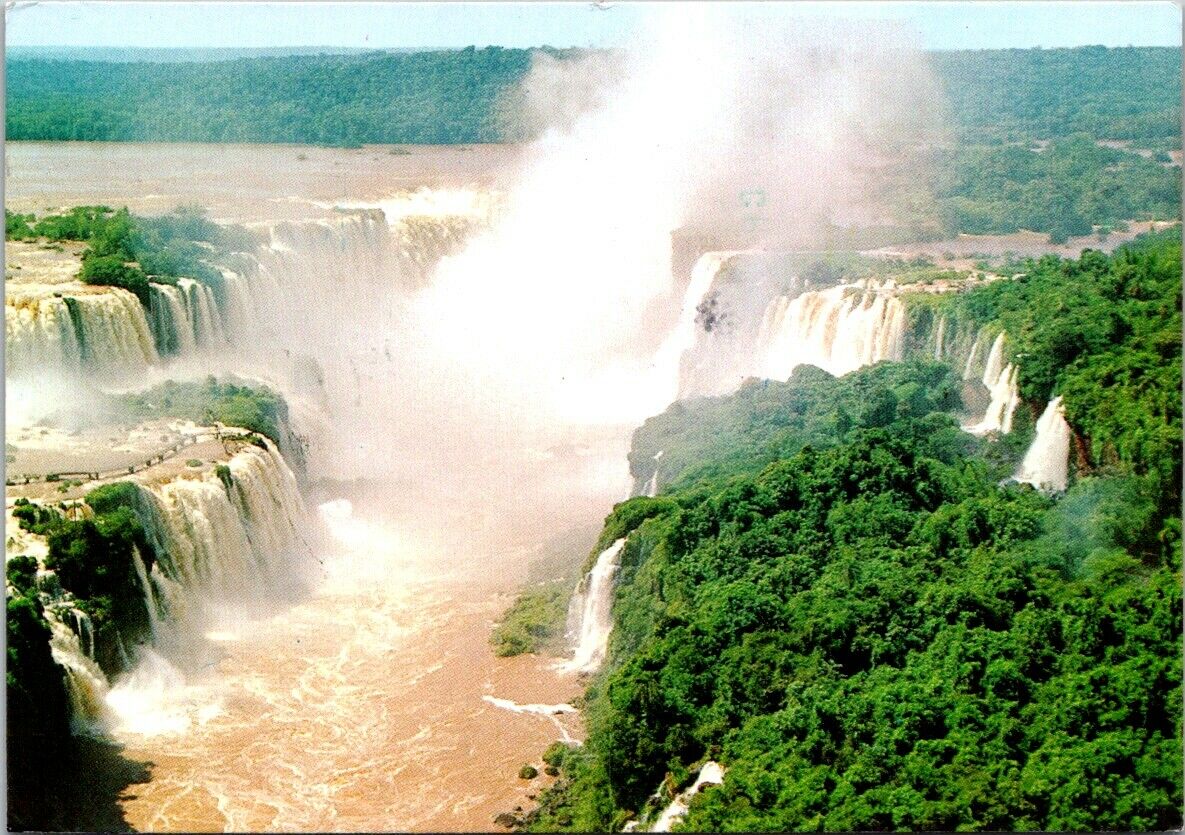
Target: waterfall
{"type": "Point", "coordinates": [171, 324]}
{"type": "Point", "coordinates": [710, 774]}
{"type": "Point", "coordinates": [85, 682]}
{"type": "Point", "coordinates": [838, 329]}
{"type": "Point", "coordinates": [421, 241]}
{"type": "Point", "coordinates": [202, 307]}
{"type": "Point", "coordinates": [589, 615]}
{"type": "Point", "coordinates": [104, 332]}
{"type": "Point", "coordinates": [682, 339]}
{"type": "Point", "coordinates": [185, 318]}
{"type": "Point", "coordinates": [225, 553]}
{"type": "Point", "coordinates": [1000, 381]}
{"type": "Point", "coordinates": [146, 588]}
{"type": "Point", "coordinates": [940, 338]}
{"type": "Point", "coordinates": [223, 546]}
{"type": "Point", "coordinates": [968, 368]}
{"type": "Point", "coordinates": [1046, 464]}
{"type": "Point", "coordinates": [39, 331]}
{"type": "Point", "coordinates": [652, 485]}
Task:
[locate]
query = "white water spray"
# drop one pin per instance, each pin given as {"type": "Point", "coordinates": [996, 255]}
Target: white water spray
{"type": "Point", "coordinates": [590, 613]}
{"type": "Point", "coordinates": [838, 329]}
{"type": "Point", "coordinates": [711, 774]}
{"type": "Point", "coordinates": [1000, 381]}
{"type": "Point", "coordinates": [1046, 464]}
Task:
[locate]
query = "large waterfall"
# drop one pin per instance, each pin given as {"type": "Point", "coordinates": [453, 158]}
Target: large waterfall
{"type": "Point", "coordinates": [838, 329]}
{"type": "Point", "coordinates": [74, 331]}
{"type": "Point", "coordinates": [1046, 464]}
{"type": "Point", "coordinates": [306, 280]}
{"type": "Point", "coordinates": [226, 545]}
{"type": "Point", "coordinates": [1000, 380]}
{"type": "Point", "coordinates": [696, 321]}
{"type": "Point", "coordinates": [185, 318]}
{"type": "Point", "coordinates": [590, 617]}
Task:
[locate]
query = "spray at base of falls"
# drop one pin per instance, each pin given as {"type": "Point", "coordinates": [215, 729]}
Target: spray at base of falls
{"type": "Point", "coordinates": [224, 551]}
{"type": "Point", "coordinates": [590, 618]}
{"type": "Point", "coordinates": [1046, 463]}
{"type": "Point", "coordinates": [1000, 380]}
{"type": "Point", "coordinates": [838, 329]}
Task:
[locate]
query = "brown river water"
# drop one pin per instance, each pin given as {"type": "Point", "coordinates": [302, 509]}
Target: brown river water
{"type": "Point", "coordinates": [375, 703]}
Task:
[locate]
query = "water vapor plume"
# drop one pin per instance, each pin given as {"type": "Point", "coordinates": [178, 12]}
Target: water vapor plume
{"type": "Point", "coordinates": [763, 134]}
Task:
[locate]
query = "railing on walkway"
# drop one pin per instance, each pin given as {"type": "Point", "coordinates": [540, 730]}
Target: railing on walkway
{"type": "Point", "coordinates": [157, 458]}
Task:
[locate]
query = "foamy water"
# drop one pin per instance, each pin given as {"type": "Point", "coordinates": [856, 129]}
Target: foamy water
{"type": "Point", "coordinates": [371, 706]}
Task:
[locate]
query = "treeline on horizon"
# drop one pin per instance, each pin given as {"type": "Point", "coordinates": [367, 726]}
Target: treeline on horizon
{"type": "Point", "coordinates": [838, 598]}
{"type": "Point", "coordinates": [1025, 122]}
{"type": "Point", "coordinates": [453, 96]}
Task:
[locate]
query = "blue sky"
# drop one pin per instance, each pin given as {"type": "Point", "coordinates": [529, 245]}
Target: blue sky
{"type": "Point", "coordinates": [940, 25]}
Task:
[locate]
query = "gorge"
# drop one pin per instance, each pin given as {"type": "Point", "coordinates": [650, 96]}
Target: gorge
{"type": "Point", "coordinates": [661, 472]}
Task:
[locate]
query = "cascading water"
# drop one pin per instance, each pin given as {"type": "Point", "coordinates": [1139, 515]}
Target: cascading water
{"type": "Point", "coordinates": [710, 774]}
{"type": "Point", "coordinates": [104, 332]}
{"type": "Point", "coordinates": [652, 485]}
{"type": "Point", "coordinates": [72, 637]}
{"type": "Point", "coordinates": [85, 682]}
{"type": "Point", "coordinates": [1046, 463]}
{"type": "Point", "coordinates": [171, 325]}
{"type": "Point", "coordinates": [1000, 381]}
{"type": "Point", "coordinates": [939, 338]}
{"type": "Point", "coordinates": [968, 368]}
{"type": "Point", "coordinates": [683, 338]}
{"type": "Point", "coordinates": [225, 546]}
{"type": "Point", "coordinates": [838, 329]}
{"type": "Point", "coordinates": [590, 613]}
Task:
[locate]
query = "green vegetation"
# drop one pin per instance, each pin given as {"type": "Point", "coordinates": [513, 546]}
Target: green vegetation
{"type": "Point", "coordinates": [256, 408]}
{"type": "Point", "coordinates": [534, 622]}
{"type": "Point", "coordinates": [40, 744]}
{"type": "Point", "coordinates": [1003, 102]}
{"type": "Point", "coordinates": [1025, 94]}
{"type": "Point", "coordinates": [871, 632]}
{"type": "Point", "coordinates": [444, 97]}
{"type": "Point", "coordinates": [706, 439]}
{"type": "Point", "coordinates": [528, 772]}
{"type": "Point", "coordinates": [128, 251]}
{"type": "Point", "coordinates": [1064, 189]}
{"type": "Point", "coordinates": [95, 560]}
{"type": "Point", "coordinates": [1105, 332]}
{"type": "Point", "coordinates": [452, 96]}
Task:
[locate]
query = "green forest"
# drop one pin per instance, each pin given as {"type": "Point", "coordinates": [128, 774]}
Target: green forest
{"type": "Point", "coordinates": [838, 595]}
{"type": "Point", "coordinates": [994, 178]}
{"type": "Point", "coordinates": [129, 251]}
